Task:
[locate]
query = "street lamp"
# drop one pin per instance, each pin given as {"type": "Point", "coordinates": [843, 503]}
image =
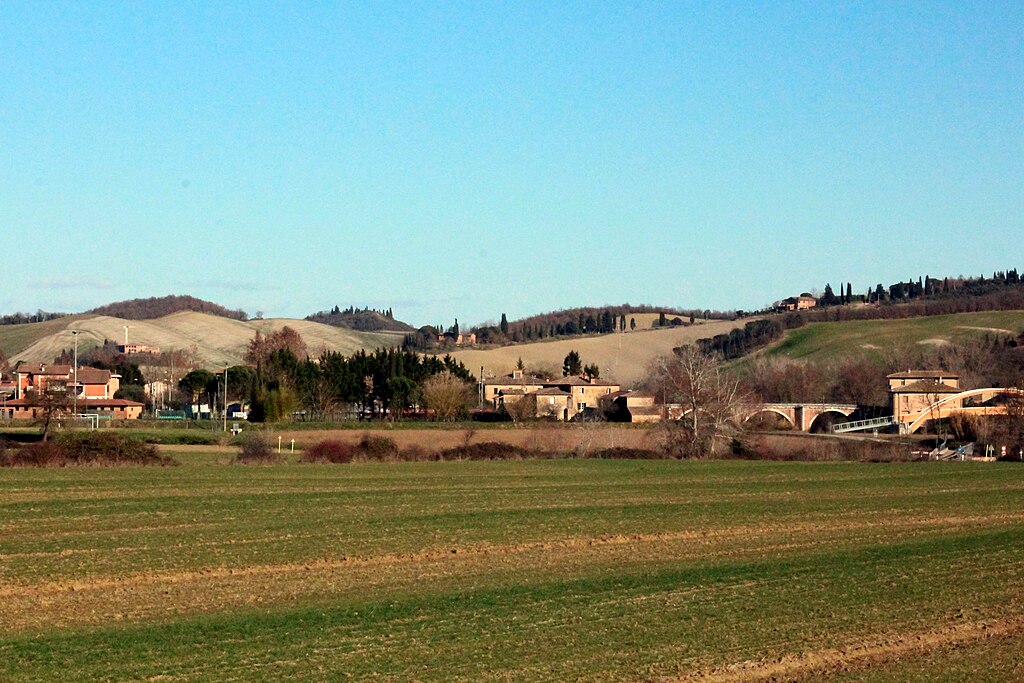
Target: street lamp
{"type": "Point", "coordinates": [74, 333]}
{"type": "Point", "coordinates": [225, 399]}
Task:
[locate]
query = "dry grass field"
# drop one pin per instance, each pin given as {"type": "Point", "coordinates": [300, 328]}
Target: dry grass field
{"type": "Point", "coordinates": [216, 341]}
{"type": "Point", "coordinates": [497, 571]}
{"type": "Point", "coordinates": [622, 357]}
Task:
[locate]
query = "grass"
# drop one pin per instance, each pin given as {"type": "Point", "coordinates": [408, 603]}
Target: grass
{"type": "Point", "coordinates": [532, 570]}
{"type": "Point", "coordinates": [875, 336]}
{"type": "Point", "coordinates": [16, 338]}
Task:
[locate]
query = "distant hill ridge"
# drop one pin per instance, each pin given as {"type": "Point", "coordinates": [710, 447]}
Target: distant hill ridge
{"type": "Point", "coordinates": [158, 307]}
{"type": "Point", "coordinates": [361, 320]}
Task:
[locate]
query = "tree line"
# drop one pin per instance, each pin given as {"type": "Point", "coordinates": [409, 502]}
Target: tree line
{"type": "Point", "coordinates": [40, 316]}
{"type": "Point", "coordinates": [279, 379]}
{"type": "Point", "coordinates": [158, 307]}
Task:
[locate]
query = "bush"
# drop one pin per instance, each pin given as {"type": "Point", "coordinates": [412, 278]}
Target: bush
{"type": "Point", "coordinates": [377, 448]}
{"type": "Point", "coordinates": [487, 450]}
{"type": "Point", "coordinates": [109, 448]}
{"type": "Point", "coordinates": [254, 449]}
{"type": "Point", "coordinates": [622, 453]}
{"type": "Point", "coordinates": [39, 454]}
{"type": "Point", "coordinates": [329, 451]}
{"type": "Point", "coordinates": [85, 448]}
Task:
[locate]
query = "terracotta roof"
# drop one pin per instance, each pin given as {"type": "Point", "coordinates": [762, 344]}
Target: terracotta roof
{"type": "Point", "coordinates": [580, 382]}
{"type": "Point", "coordinates": [44, 369]}
{"type": "Point", "coordinates": [549, 391]}
{"type": "Point", "coordinates": [923, 374]}
{"type": "Point", "coordinates": [88, 375]}
{"type": "Point", "coordinates": [926, 386]}
{"type": "Point", "coordinates": [84, 404]}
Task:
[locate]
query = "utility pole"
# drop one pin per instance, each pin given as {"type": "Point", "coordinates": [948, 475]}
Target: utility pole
{"type": "Point", "coordinates": [74, 333]}
{"type": "Point", "coordinates": [225, 399]}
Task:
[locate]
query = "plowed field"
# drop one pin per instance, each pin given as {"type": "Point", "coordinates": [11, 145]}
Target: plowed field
{"type": "Point", "coordinates": [530, 570]}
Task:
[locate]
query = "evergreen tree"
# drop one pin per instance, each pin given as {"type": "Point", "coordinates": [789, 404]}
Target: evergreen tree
{"type": "Point", "coordinates": [829, 297]}
{"type": "Point", "coordinates": [572, 365]}
{"type": "Point", "coordinates": [632, 324]}
{"type": "Point", "coordinates": [504, 324]}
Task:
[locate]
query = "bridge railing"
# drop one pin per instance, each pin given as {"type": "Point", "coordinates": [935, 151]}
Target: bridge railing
{"type": "Point", "coordinates": [859, 425]}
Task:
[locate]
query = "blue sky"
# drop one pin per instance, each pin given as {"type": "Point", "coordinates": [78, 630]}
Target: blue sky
{"type": "Point", "coordinates": [468, 159]}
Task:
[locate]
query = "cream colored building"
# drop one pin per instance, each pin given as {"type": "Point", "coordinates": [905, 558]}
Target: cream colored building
{"type": "Point", "coordinates": [561, 398]}
{"type": "Point", "coordinates": [916, 390]}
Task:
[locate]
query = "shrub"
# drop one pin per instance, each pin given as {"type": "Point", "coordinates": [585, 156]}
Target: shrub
{"type": "Point", "coordinates": [39, 454]}
{"type": "Point", "coordinates": [109, 448]}
{"type": "Point", "coordinates": [377, 447]}
{"type": "Point", "coordinates": [85, 448]}
{"type": "Point", "coordinates": [254, 449]}
{"type": "Point", "coordinates": [487, 450]}
{"type": "Point", "coordinates": [329, 451]}
{"type": "Point", "coordinates": [622, 453]}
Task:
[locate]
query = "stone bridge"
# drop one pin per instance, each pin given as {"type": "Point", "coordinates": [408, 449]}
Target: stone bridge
{"type": "Point", "coordinates": [802, 416]}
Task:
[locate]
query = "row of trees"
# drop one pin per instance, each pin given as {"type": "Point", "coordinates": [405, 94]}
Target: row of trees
{"type": "Point", "coordinates": [741, 341]}
{"type": "Point", "coordinates": [924, 287]}
{"type": "Point", "coordinates": [279, 379]}
{"type": "Point", "coordinates": [157, 307]}
{"type": "Point", "coordinates": [574, 322]}
{"type": "Point", "coordinates": [39, 316]}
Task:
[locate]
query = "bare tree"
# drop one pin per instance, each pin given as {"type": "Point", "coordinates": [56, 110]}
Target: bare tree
{"type": "Point", "coordinates": [447, 395]}
{"type": "Point", "coordinates": [708, 401]}
{"type": "Point", "coordinates": [53, 406]}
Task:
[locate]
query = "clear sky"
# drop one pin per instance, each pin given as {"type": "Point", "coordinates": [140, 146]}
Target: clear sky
{"type": "Point", "coordinates": [468, 159]}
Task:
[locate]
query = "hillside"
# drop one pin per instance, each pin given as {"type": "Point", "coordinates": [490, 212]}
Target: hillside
{"type": "Point", "coordinates": [622, 357]}
{"type": "Point", "coordinates": [158, 307]}
{"type": "Point", "coordinates": [361, 320]}
{"type": "Point", "coordinates": [216, 341]}
{"type": "Point", "coordinates": [874, 336]}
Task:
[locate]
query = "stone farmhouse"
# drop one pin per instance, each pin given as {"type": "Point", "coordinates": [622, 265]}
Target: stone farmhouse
{"type": "Point", "coordinates": [915, 390]}
{"type": "Point", "coordinates": [796, 303]}
{"type": "Point", "coordinates": [94, 391]}
{"type": "Point", "coordinates": [562, 398]}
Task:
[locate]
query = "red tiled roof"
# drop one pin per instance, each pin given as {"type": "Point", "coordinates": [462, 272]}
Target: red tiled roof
{"type": "Point", "coordinates": [923, 374]}
{"type": "Point", "coordinates": [44, 369]}
{"type": "Point", "coordinates": [926, 386]}
{"type": "Point", "coordinates": [549, 391]}
{"type": "Point", "coordinates": [83, 403]}
{"type": "Point", "coordinates": [89, 375]}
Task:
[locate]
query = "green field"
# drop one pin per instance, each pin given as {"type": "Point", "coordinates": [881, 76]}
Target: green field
{"type": "Point", "coordinates": [873, 336]}
{"type": "Point", "coordinates": [528, 570]}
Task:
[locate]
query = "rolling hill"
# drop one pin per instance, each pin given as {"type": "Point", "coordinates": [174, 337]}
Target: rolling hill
{"type": "Point", "coordinates": [622, 357]}
{"type": "Point", "coordinates": [819, 340]}
{"type": "Point", "coordinates": [216, 340]}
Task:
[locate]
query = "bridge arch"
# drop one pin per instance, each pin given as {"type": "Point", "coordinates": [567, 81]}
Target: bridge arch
{"type": "Point", "coordinates": [942, 408]}
{"type": "Point", "coordinates": [830, 415]}
{"type": "Point", "coordinates": [773, 411]}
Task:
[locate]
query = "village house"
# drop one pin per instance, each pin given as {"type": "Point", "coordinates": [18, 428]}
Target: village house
{"type": "Point", "coordinates": [138, 349]}
{"type": "Point", "coordinates": [562, 398]}
{"type": "Point", "coordinates": [915, 390]}
{"type": "Point", "coordinates": [796, 303]}
{"type": "Point", "coordinates": [94, 391]}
